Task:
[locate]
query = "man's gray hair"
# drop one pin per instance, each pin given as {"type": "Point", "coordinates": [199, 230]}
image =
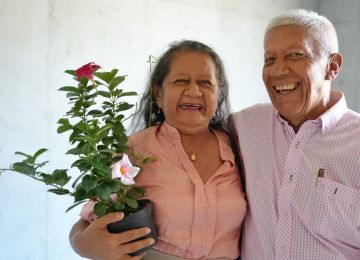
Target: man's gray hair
{"type": "Point", "coordinates": [321, 29]}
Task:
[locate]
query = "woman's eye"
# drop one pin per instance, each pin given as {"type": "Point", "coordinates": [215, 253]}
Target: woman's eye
{"type": "Point", "coordinates": [205, 83]}
{"type": "Point", "coordinates": [180, 81]}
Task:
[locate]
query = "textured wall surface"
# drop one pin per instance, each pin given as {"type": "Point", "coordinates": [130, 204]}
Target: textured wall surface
{"type": "Point", "coordinates": [42, 38]}
{"type": "Point", "coordinates": [345, 16]}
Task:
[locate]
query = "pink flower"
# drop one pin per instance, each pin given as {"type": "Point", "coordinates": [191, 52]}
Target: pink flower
{"type": "Point", "coordinates": [87, 71]}
{"type": "Point", "coordinates": [87, 211]}
{"type": "Point", "coordinates": [125, 171]}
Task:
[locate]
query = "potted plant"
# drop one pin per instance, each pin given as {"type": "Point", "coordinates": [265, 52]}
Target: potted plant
{"type": "Point", "coordinates": [99, 140]}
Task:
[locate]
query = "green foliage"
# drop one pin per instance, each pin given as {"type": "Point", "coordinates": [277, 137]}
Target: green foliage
{"type": "Point", "coordinates": [94, 123]}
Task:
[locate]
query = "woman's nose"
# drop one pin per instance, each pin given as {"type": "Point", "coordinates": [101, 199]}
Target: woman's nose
{"type": "Point", "coordinates": [194, 90]}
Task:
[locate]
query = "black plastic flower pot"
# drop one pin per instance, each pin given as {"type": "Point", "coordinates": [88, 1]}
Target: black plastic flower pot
{"type": "Point", "coordinates": [142, 218]}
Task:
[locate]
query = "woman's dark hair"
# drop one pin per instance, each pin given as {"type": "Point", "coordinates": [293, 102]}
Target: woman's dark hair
{"type": "Point", "coordinates": [149, 113]}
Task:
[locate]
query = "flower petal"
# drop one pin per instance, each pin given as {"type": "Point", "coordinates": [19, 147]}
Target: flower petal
{"type": "Point", "coordinates": [87, 71]}
{"type": "Point", "coordinates": [87, 212]}
{"type": "Point", "coordinates": [115, 170]}
{"type": "Point", "coordinates": [126, 180]}
{"type": "Point", "coordinates": [125, 160]}
{"type": "Point", "coordinates": [133, 171]}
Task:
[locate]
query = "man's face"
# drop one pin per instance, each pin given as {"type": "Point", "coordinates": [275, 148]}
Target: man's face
{"type": "Point", "coordinates": [294, 74]}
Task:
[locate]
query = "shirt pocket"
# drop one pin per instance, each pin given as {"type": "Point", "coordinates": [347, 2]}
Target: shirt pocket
{"type": "Point", "coordinates": [341, 218]}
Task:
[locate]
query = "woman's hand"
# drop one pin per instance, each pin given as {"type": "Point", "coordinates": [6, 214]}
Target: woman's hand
{"type": "Point", "coordinates": [95, 242]}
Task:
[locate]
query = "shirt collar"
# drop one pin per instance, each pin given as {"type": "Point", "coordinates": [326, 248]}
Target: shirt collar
{"type": "Point", "coordinates": [173, 137]}
{"type": "Point", "coordinates": [331, 117]}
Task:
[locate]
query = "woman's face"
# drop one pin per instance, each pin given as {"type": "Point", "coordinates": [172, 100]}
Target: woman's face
{"type": "Point", "coordinates": [189, 94]}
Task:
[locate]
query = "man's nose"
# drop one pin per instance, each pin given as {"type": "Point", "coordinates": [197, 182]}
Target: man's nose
{"type": "Point", "coordinates": [279, 68]}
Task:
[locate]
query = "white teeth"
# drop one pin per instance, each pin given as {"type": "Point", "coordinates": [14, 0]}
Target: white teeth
{"type": "Point", "coordinates": [191, 105]}
{"type": "Point", "coordinates": [285, 87]}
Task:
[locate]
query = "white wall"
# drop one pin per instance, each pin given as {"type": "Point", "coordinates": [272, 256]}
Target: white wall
{"type": "Point", "coordinates": [42, 38]}
{"type": "Point", "coordinates": [345, 16]}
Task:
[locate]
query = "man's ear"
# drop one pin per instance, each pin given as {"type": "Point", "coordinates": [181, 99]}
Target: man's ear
{"type": "Point", "coordinates": [333, 66]}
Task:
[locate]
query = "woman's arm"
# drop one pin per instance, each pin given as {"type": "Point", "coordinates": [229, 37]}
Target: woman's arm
{"type": "Point", "coordinates": [95, 242]}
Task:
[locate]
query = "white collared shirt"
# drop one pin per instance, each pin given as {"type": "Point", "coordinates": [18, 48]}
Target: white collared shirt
{"type": "Point", "coordinates": [293, 213]}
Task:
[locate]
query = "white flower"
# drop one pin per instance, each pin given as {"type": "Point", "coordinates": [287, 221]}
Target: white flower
{"type": "Point", "coordinates": [125, 171]}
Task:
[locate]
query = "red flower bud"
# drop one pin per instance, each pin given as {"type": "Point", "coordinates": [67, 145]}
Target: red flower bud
{"type": "Point", "coordinates": [87, 71]}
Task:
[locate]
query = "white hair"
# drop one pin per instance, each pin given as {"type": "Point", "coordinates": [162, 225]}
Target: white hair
{"type": "Point", "coordinates": [320, 28]}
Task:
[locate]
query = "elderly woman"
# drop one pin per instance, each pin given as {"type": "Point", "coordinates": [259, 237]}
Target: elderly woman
{"type": "Point", "coordinates": [194, 183]}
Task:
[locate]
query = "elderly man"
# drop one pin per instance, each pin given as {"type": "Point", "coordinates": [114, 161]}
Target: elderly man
{"type": "Point", "coordinates": [301, 155]}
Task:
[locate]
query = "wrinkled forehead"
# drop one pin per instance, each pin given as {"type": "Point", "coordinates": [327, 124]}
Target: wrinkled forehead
{"type": "Point", "coordinates": [285, 37]}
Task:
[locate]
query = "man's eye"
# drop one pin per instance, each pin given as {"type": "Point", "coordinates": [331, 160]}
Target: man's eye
{"type": "Point", "coordinates": [269, 60]}
{"type": "Point", "coordinates": [295, 55]}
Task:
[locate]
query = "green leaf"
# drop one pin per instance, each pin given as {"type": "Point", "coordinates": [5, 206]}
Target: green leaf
{"type": "Point", "coordinates": [39, 152]}
{"type": "Point", "coordinates": [29, 158]}
{"type": "Point", "coordinates": [119, 118]}
{"type": "Point", "coordinates": [69, 89]}
{"type": "Point", "coordinates": [59, 191]}
{"type": "Point", "coordinates": [95, 113]}
{"type": "Point", "coordinates": [39, 165]}
{"type": "Point", "coordinates": [104, 94]}
{"type": "Point", "coordinates": [82, 148]}
{"type": "Point", "coordinates": [60, 177]}
{"type": "Point", "coordinates": [130, 93]}
{"type": "Point", "coordinates": [131, 202]}
{"type": "Point", "coordinates": [118, 205]}
{"type": "Point", "coordinates": [47, 178]}
{"type": "Point", "coordinates": [71, 72]}
{"type": "Point", "coordinates": [63, 128]}
{"type": "Point", "coordinates": [107, 140]}
{"type": "Point", "coordinates": [100, 209]}
{"type": "Point", "coordinates": [103, 191]}
{"type": "Point", "coordinates": [123, 107]}
{"type": "Point", "coordinates": [87, 104]}
{"type": "Point", "coordinates": [23, 154]}
{"type": "Point", "coordinates": [109, 151]}
{"type": "Point", "coordinates": [121, 148]}
{"type": "Point", "coordinates": [109, 112]}
{"type": "Point", "coordinates": [80, 194]}
{"type": "Point", "coordinates": [77, 179]}
{"type": "Point", "coordinates": [88, 182]}
{"type": "Point", "coordinates": [74, 205]}
{"type": "Point", "coordinates": [86, 138]}
{"type": "Point", "coordinates": [116, 81]}
{"type": "Point", "coordinates": [75, 151]}
{"type": "Point", "coordinates": [103, 132]}
{"type": "Point", "coordinates": [82, 126]}
{"type": "Point", "coordinates": [114, 72]}
{"type": "Point", "coordinates": [71, 94]}
{"type": "Point", "coordinates": [105, 76]}
{"type": "Point", "coordinates": [149, 159]}
{"type": "Point", "coordinates": [84, 81]}
{"type": "Point", "coordinates": [140, 191]}
{"type": "Point", "coordinates": [64, 125]}
{"type": "Point", "coordinates": [100, 168]}
{"type": "Point", "coordinates": [24, 168]}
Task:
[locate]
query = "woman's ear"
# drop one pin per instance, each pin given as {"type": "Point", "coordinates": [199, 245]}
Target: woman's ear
{"type": "Point", "coordinates": [156, 92]}
{"type": "Point", "coordinates": [334, 65]}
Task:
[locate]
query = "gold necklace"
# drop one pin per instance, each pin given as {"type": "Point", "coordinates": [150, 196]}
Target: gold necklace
{"type": "Point", "coordinates": [192, 156]}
